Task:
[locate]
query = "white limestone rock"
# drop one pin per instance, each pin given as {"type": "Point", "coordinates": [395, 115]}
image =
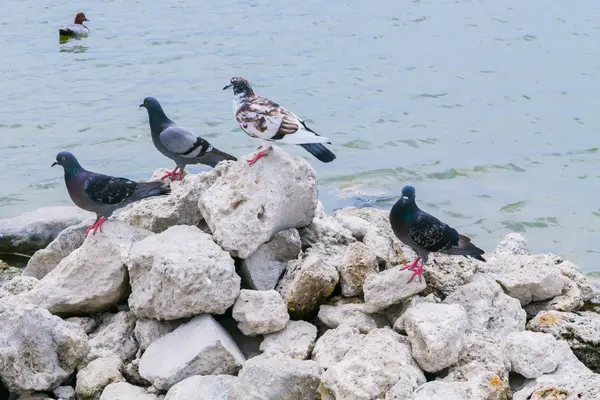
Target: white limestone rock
{"type": "Point", "coordinates": [260, 312]}
{"type": "Point", "coordinates": [126, 391]}
{"type": "Point", "coordinates": [358, 263]}
{"type": "Point", "coordinates": [114, 337]}
{"type": "Point", "coordinates": [98, 374]}
{"type": "Point", "coordinates": [212, 387]}
{"type": "Point", "coordinates": [333, 346]}
{"type": "Point", "coordinates": [390, 287]}
{"type": "Point", "coordinates": [296, 340]}
{"type": "Point", "coordinates": [532, 354]}
{"type": "Point", "coordinates": [355, 315]}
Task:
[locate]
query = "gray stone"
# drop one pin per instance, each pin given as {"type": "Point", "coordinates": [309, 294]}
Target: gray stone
{"type": "Point", "coordinates": [358, 263]}
{"type": "Point", "coordinates": [64, 393]}
{"type": "Point", "coordinates": [260, 312]}
{"type": "Point", "coordinates": [88, 324]}
{"type": "Point", "coordinates": [513, 244]}
{"type": "Point", "coordinates": [19, 284]}
{"type": "Point", "coordinates": [296, 340]}
{"type": "Point", "coordinates": [390, 287]}
{"type": "Point", "coordinates": [131, 372]}
{"type": "Point", "coordinates": [213, 387]}
{"type": "Point", "coordinates": [333, 346]}
{"type": "Point", "coordinates": [125, 391]}
{"type": "Point", "coordinates": [114, 337]}
{"type": "Point", "coordinates": [150, 330]}
{"type": "Point", "coordinates": [99, 373]}
{"type": "Point", "coordinates": [355, 315]}
{"type": "Point", "coordinates": [532, 354]}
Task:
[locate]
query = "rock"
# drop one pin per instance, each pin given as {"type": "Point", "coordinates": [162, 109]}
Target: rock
{"type": "Point", "coordinates": [436, 333]}
{"type": "Point", "coordinates": [19, 284]}
{"type": "Point", "coordinates": [180, 273]}
{"type": "Point", "coordinates": [571, 299]}
{"type": "Point", "coordinates": [6, 274]}
{"type": "Point", "coordinates": [98, 374]}
{"type": "Point", "coordinates": [66, 290]}
{"type": "Point", "coordinates": [263, 268]}
{"type": "Point", "coordinates": [157, 214]}
{"type": "Point", "coordinates": [513, 244]}
{"type": "Point", "coordinates": [532, 354]}
{"type": "Point", "coordinates": [31, 231]}
{"type": "Point", "coordinates": [38, 350]}
{"type": "Point", "coordinates": [489, 309]}
{"type": "Point", "coordinates": [249, 345]}
{"type": "Point", "coordinates": [355, 315]}
{"type": "Point", "coordinates": [306, 284]}
{"type": "Point", "coordinates": [88, 324]}
{"type": "Point", "coordinates": [296, 340]}
{"type": "Point", "coordinates": [33, 396]}
{"type": "Point", "coordinates": [326, 232]}
{"type": "Point", "coordinates": [45, 260]}
{"type": "Point", "coordinates": [199, 347]}
{"type": "Point", "coordinates": [397, 314]}
{"type": "Point", "coordinates": [64, 393]}
{"type": "Point", "coordinates": [260, 312]}
{"type": "Point", "coordinates": [213, 387]}
{"type": "Point", "coordinates": [484, 386]}
{"type": "Point", "coordinates": [445, 273]}
{"type": "Point", "coordinates": [390, 287]}
{"type": "Point", "coordinates": [125, 391]}
{"type": "Point", "coordinates": [573, 273]}
{"type": "Point", "coordinates": [526, 278]}
{"type": "Point", "coordinates": [247, 205]}
{"type": "Point", "coordinates": [371, 367]}
{"type": "Point", "coordinates": [581, 331]}
{"type": "Point", "coordinates": [358, 263]}
{"type": "Point", "coordinates": [275, 378]}
{"type": "Point", "coordinates": [131, 372]}
{"type": "Point", "coordinates": [150, 330]}
{"type": "Point", "coordinates": [332, 347]}
{"type": "Point", "coordinates": [114, 337]}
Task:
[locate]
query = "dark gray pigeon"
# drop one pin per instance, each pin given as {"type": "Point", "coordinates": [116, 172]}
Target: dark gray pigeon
{"type": "Point", "coordinates": [179, 144]}
{"type": "Point", "coordinates": [426, 234]}
{"type": "Point", "coordinates": [103, 194]}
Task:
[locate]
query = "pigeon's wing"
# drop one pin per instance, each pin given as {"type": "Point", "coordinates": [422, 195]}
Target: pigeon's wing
{"type": "Point", "coordinates": [108, 189]}
{"type": "Point", "coordinates": [183, 142]}
{"type": "Point", "coordinates": [432, 234]}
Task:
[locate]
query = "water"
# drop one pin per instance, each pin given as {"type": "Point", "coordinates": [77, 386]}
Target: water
{"type": "Point", "coordinates": [488, 107]}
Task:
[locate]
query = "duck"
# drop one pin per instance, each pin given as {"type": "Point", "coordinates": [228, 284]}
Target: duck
{"type": "Point", "coordinates": [77, 28]}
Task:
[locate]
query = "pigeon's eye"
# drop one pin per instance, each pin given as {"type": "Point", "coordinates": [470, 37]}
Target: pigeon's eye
{"type": "Point", "coordinates": [63, 158]}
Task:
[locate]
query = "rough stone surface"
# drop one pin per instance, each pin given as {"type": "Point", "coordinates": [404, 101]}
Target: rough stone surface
{"type": "Point", "coordinates": [126, 391]}
{"type": "Point", "coordinates": [249, 345]}
{"type": "Point", "coordinates": [150, 330]}
{"type": "Point", "coordinates": [45, 260]}
{"type": "Point", "coordinates": [6, 274]}
{"type": "Point", "coordinates": [307, 283]}
{"type": "Point", "coordinates": [437, 334]}
{"type": "Point", "coordinates": [358, 263]}
{"type": "Point", "coordinates": [532, 354]}
{"type": "Point", "coordinates": [489, 309]}
{"type": "Point", "coordinates": [445, 273]}
{"type": "Point", "coordinates": [513, 244]}
{"type": "Point", "coordinates": [263, 268]}
{"type": "Point", "coordinates": [66, 290]}
{"type": "Point", "coordinates": [31, 231]}
{"type": "Point", "coordinates": [88, 324]}
{"type": "Point", "coordinates": [397, 314]}
{"type": "Point", "coordinates": [99, 373]}
{"type": "Point", "coordinates": [213, 387]}
{"type": "Point", "coordinates": [38, 350]}
{"type": "Point", "coordinates": [332, 347]}
{"type": "Point", "coordinates": [64, 393]}
{"type": "Point", "coordinates": [371, 368]}
{"type": "Point", "coordinates": [296, 340]}
{"type": "Point", "coordinates": [571, 299]}
{"type": "Point", "coordinates": [390, 287]}
{"type": "Point", "coordinates": [581, 331]}
{"type": "Point", "coordinates": [260, 312]}
{"type": "Point", "coordinates": [131, 372]}
{"type": "Point", "coordinates": [114, 337]}
{"type": "Point", "coordinates": [355, 315]}
{"type": "Point", "coordinates": [180, 273]}
{"type": "Point", "coordinates": [275, 378]}
{"type": "Point", "coordinates": [247, 205]}
{"type": "Point", "coordinates": [19, 284]}
{"type": "Point", "coordinates": [199, 347]}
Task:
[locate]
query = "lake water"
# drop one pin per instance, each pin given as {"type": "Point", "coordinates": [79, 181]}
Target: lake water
{"type": "Point", "coordinates": [490, 108]}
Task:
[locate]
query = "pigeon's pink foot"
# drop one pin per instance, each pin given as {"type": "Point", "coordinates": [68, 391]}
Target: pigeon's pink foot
{"type": "Point", "coordinates": [174, 175]}
{"type": "Point", "coordinates": [259, 155]}
{"type": "Point", "coordinates": [417, 272]}
{"type": "Point", "coordinates": [95, 226]}
{"type": "Point", "coordinates": [413, 266]}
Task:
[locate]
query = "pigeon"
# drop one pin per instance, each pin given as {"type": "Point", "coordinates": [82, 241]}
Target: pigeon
{"type": "Point", "coordinates": [76, 29]}
{"type": "Point", "coordinates": [103, 194]}
{"type": "Point", "coordinates": [179, 144]}
{"type": "Point", "coordinates": [426, 234]}
{"type": "Point", "coordinates": [266, 120]}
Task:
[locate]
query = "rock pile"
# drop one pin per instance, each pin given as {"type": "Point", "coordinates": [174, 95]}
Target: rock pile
{"type": "Point", "coordinates": [238, 286]}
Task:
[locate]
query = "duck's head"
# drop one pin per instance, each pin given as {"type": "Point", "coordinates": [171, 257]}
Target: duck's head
{"type": "Point", "coordinates": [80, 18]}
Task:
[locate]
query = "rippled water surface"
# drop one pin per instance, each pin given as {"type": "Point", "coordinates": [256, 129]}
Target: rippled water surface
{"type": "Point", "coordinates": [490, 108]}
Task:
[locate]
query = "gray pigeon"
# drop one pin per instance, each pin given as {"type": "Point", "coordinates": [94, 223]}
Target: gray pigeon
{"type": "Point", "coordinates": [179, 144]}
{"type": "Point", "coordinates": [426, 234]}
{"type": "Point", "coordinates": [103, 194]}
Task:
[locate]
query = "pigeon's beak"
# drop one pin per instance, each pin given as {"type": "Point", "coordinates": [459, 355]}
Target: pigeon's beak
{"type": "Point", "coordinates": [54, 163]}
{"type": "Point", "coordinates": [404, 200]}
{"type": "Point", "coordinates": [227, 87]}
{"type": "Point", "coordinates": [141, 105]}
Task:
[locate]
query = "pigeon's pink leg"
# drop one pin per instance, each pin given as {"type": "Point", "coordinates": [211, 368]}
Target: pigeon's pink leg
{"type": "Point", "coordinates": [174, 175]}
{"type": "Point", "coordinates": [417, 272]}
{"type": "Point", "coordinates": [95, 226]}
{"type": "Point", "coordinates": [413, 266]}
{"type": "Point", "coordinates": [259, 155]}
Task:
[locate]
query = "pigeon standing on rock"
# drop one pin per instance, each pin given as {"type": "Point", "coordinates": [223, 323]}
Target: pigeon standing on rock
{"type": "Point", "coordinates": [179, 144]}
{"type": "Point", "coordinates": [264, 119]}
{"type": "Point", "coordinates": [426, 234]}
{"type": "Point", "coordinates": [76, 29]}
{"type": "Point", "coordinates": [103, 194]}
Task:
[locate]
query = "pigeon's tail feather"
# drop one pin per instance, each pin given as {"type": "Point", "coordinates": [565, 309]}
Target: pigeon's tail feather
{"type": "Point", "coordinates": [215, 156]}
{"type": "Point", "coordinates": [321, 152]}
{"type": "Point", "coordinates": [466, 248]}
{"type": "Point", "coordinates": [66, 32]}
{"type": "Point", "coordinates": [149, 189]}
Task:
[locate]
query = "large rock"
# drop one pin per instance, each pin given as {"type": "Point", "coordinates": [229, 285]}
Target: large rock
{"type": "Point", "coordinates": [247, 205]}
{"type": "Point", "coordinates": [38, 350]}
{"type": "Point", "coordinates": [157, 214]}
{"type": "Point", "coordinates": [437, 334]}
{"type": "Point", "coordinates": [199, 347]}
{"type": "Point", "coordinates": [67, 289]}
{"type": "Point", "coordinates": [98, 374]}
{"type": "Point", "coordinates": [532, 354]}
{"type": "Point", "coordinates": [114, 337]}
{"type": "Point", "coordinates": [31, 231]}
{"type": "Point", "coordinates": [260, 312]}
{"type": "Point", "coordinates": [489, 309]}
{"type": "Point", "coordinates": [272, 377]}
{"type": "Point", "coordinates": [180, 273]}
{"type": "Point", "coordinates": [333, 346]}
{"type": "Point", "coordinates": [355, 315]}
{"type": "Point", "coordinates": [18, 285]}
{"type": "Point", "coordinates": [390, 287]}
{"type": "Point", "coordinates": [371, 368]}
{"type": "Point", "coordinates": [125, 391]}
{"type": "Point", "coordinates": [307, 283]}
{"type": "Point", "coordinates": [581, 331]}
{"type": "Point", "coordinates": [263, 268]}
{"type": "Point", "coordinates": [358, 263]}
{"type": "Point", "coordinates": [513, 244]}
{"type": "Point", "coordinates": [45, 260]}
{"type": "Point", "coordinates": [296, 340]}
{"type": "Point", "coordinates": [213, 387]}
{"type": "Point", "coordinates": [571, 299]}
{"type": "Point", "coordinates": [148, 331]}
{"type": "Point", "coordinates": [484, 386]}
